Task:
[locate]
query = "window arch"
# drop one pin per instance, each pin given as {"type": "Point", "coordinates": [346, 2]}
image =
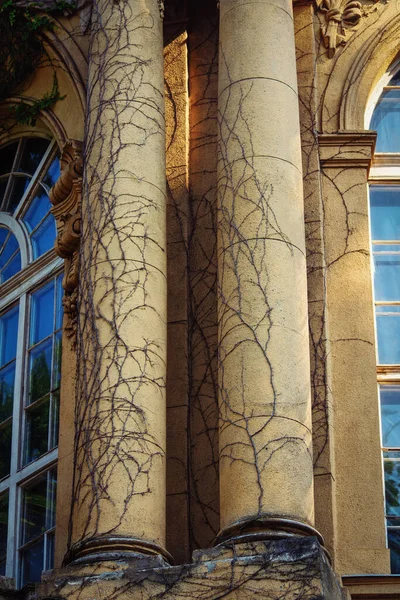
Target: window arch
{"type": "Point", "coordinates": [30, 356]}
{"type": "Point", "coordinates": [385, 236]}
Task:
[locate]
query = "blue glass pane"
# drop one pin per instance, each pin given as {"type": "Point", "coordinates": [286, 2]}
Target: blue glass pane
{"type": "Point", "coordinates": [387, 277]}
{"type": "Point", "coordinates": [388, 333]}
{"type": "Point", "coordinates": [7, 379]}
{"type": "Point", "coordinates": [392, 487]}
{"type": "Point", "coordinates": [390, 414]}
{"type": "Point", "coordinates": [385, 213]}
{"type": "Point", "coordinates": [53, 173]}
{"type": "Point", "coordinates": [13, 267]}
{"type": "Point", "coordinates": [40, 371]}
{"type": "Point", "coordinates": [8, 250]}
{"type": "Point", "coordinates": [38, 209]}
{"type": "Point", "coordinates": [59, 304]}
{"type": "Point", "coordinates": [42, 313]}
{"type": "Point", "coordinates": [7, 156]}
{"type": "Point", "coordinates": [5, 448]}
{"type": "Point", "coordinates": [18, 187]}
{"type": "Point", "coordinates": [33, 153]}
{"type": "Point", "coordinates": [34, 510]}
{"type": "Point", "coordinates": [394, 546]}
{"type": "Point", "coordinates": [32, 562]}
{"type": "Point", "coordinates": [37, 431]}
{"type": "Point", "coordinates": [44, 237]}
{"type": "Point", "coordinates": [386, 121]}
{"type": "Point", "coordinates": [3, 235]}
{"type": "Point", "coordinates": [8, 335]}
{"type": "Point", "coordinates": [3, 524]}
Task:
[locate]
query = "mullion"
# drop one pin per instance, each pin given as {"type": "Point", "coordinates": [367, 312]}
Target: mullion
{"type": "Point", "coordinates": [41, 169]}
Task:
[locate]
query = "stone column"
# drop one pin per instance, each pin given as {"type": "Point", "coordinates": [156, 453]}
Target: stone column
{"type": "Point", "coordinates": [264, 389]}
{"type": "Point", "coordinates": [119, 481]}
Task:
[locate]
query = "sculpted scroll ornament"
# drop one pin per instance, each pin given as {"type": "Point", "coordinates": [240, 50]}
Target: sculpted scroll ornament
{"type": "Point", "coordinates": [341, 16]}
{"type": "Point", "coordinates": [66, 196]}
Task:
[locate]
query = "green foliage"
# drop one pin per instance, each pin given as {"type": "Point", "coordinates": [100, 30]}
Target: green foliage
{"type": "Point", "coordinates": [27, 114]}
{"type": "Point", "coordinates": [22, 25]}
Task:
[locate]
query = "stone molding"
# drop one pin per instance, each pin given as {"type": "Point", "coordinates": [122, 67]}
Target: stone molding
{"type": "Point", "coordinates": [341, 19]}
{"type": "Point", "coordinates": [66, 196]}
{"type": "Point", "coordinates": [347, 149]}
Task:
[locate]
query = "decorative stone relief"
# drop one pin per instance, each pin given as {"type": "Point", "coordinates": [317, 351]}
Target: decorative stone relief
{"type": "Point", "coordinates": [66, 196]}
{"type": "Point", "coordinates": [341, 18]}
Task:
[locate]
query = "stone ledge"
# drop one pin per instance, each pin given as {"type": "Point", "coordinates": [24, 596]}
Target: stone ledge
{"type": "Point", "coordinates": [287, 569]}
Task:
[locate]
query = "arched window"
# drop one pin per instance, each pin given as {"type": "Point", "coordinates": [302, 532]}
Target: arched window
{"type": "Point", "coordinates": [30, 355]}
{"type": "Point", "coordinates": [385, 235]}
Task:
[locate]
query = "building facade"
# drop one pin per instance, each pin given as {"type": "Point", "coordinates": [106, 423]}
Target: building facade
{"type": "Point", "coordinates": [200, 205]}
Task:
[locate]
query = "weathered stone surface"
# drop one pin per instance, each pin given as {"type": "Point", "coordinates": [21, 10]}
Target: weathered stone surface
{"type": "Point", "coordinates": [289, 569]}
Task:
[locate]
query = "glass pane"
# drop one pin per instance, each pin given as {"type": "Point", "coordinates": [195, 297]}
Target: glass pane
{"type": "Point", "coordinates": [3, 187]}
{"type": "Point", "coordinates": [2, 567]}
{"type": "Point", "coordinates": [7, 155]}
{"type": "Point", "coordinates": [5, 449]}
{"type": "Point", "coordinates": [388, 334]}
{"type": "Point", "coordinates": [37, 429]}
{"type": "Point", "coordinates": [50, 551]}
{"type": "Point", "coordinates": [57, 361]}
{"type": "Point", "coordinates": [44, 237]}
{"type": "Point", "coordinates": [51, 509]}
{"type": "Point", "coordinates": [386, 121]}
{"type": "Point", "coordinates": [40, 371]}
{"type": "Point", "coordinates": [387, 276]}
{"type": "Point", "coordinates": [13, 267]}
{"type": "Point", "coordinates": [59, 304]}
{"type": "Point", "coordinates": [53, 173]}
{"type": "Point", "coordinates": [34, 510]}
{"type": "Point", "coordinates": [8, 335]}
{"type": "Point", "coordinates": [8, 250]}
{"type": "Point", "coordinates": [3, 525]}
{"type": "Point", "coordinates": [42, 313]}
{"type": "Point", "coordinates": [38, 209]}
{"type": "Point", "coordinates": [18, 187]}
{"type": "Point", "coordinates": [33, 153]}
{"type": "Point", "coordinates": [385, 212]}
{"type": "Point", "coordinates": [392, 487]}
{"type": "Point", "coordinates": [394, 546]}
{"type": "Point", "coordinates": [32, 562]}
{"type": "Point", "coordinates": [7, 377]}
{"type": "Point", "coordinates": [3, 235]}
{"type": "Point", "coordinates": [55, 420]}
{"type": "Point", "coordinates": [390, 413]}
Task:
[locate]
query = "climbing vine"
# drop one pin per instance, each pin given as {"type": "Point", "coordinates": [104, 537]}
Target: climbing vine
{"type": "Point", "coordinates": [22, 51]}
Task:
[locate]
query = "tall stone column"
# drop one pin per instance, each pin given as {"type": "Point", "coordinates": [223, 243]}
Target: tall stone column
{"type": "Point", "coordinates": [119, 481]}
{"type": "Point", "coordinates": [264, 389]}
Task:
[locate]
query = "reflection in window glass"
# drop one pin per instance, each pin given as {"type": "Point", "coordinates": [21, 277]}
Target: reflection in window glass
{"type": "Point", "coordinates": [38, 522]}
{"type": "Point", "coordinates": [41, 410]}
{"type": "Point", "coordinates": [390, 413]}
{"type": "Point", "coordinates": [386, 121]}
{"type": "Point", "coordinates": [10, 257]}
{"type": "Point", "coordinates": [8, 350]}
{"type": "Point", "coordinates": [30, 355]}
{"type": "Point", "coordinates": [3, 531]}
{"type": "Point", "coordinates": [388, 335]}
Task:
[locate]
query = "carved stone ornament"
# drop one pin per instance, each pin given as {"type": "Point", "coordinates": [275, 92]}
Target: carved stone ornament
{"type": "Point", "coordinates": [66, 196]}
{"type": "Point", "coordinates": [341, 16]}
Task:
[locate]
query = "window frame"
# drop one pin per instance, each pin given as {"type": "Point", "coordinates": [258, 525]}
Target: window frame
{"type": "Point", "coordinates": [34, 274]}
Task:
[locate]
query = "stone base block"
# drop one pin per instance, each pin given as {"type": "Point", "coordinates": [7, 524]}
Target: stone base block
{"type": "Point", "coordinates": [285, 569]}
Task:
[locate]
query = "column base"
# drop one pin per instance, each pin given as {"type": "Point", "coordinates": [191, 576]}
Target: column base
{"type": "Point", "coordinates": [113, 547]}
{"type": "Point", "coordinates": [264, 528]}
{"type": "Point", "coordinates": [291, 569]}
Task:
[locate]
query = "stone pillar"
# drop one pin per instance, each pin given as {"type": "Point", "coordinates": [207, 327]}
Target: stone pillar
{"type": "Point", "coordinates": [264, 383]}
{"type": "Point", "coordinates": [119, 481]}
